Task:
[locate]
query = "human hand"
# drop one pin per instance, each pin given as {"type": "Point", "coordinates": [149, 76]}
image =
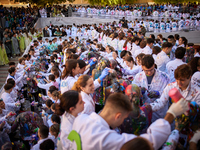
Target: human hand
{"type": "Point", "coordinates": [196, 137]}
{"type": "Point", "coordinates": [104, 73]}
{"type": "Point", "coordinates": [178, 108]}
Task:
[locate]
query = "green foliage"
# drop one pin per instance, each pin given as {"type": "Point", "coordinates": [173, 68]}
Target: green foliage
{"type": "Point", "coordinates": [110, 2]}
{"type": "Point", "coordinates": [43, 2]}
{"type": "Point", "coordinates": [174, 1]}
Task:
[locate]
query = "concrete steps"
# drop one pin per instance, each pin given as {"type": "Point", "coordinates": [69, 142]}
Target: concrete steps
{"type": "Point", "coordinates": [4, 71]}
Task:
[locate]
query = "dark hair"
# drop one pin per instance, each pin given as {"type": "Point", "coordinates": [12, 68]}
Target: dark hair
{"type": "Point", "coordinates": [123, 53]}
{"type": "Point", "coordinates": [119, 101]}
{"type": "Point", "coordinates": [183, 71]}
{"type": "Point", "coordinates": [184, 40]}
{"type": "Point", "coordinates": [51, 77]}
{"type": "Point", "coordinates": [11, 70]}
{"type": "Point", "coordinates": [67, 100]}
{"type": "Point", "coordinates": [176, 36]}
{"type": "Point", "coordinates": [156, 50]}
{"type": "Point", "coordinates": [81, 82]}
{"type": "Point", "coordinates": [52, 88]}
{"type": "Point", "coordinates": [8, 86]}
{"type": "Point", "coordinates": [180, 52]}
{"type": "Point", "coordinates": [166, 44]}
{"type": "Point", "coordinates": [193, 64]}
{"type": "Point", "coordinates": [11, 81]}
{"type": "Point", "coordinates": [129, 59]}
{"type": "Point", "coordinates": [49, 103]}
{"type": "Point", "coordinates": [56, 73]}
{"type": "Point", "coordinates": [55, 118]}
{"type": "Point", "coordinates": [81, 63]}
{"type": "Point", "coordinates": [55, 56]}
{"type": "Point", "coordinates": [153, 36]}
{"type": "Point", "coordinates": [69, 65]}
{"type": "Point", "coordinates": [143, 44]}
{"type": "Point", "coordinates": [147, 61]}
{"type": "Point", "coordinates": [150, 40]}
{"type": "Point", "coordinates": [47, 145]}
{"type": "Point", "coordinates": [11, 63]}
{"type": "Point", "coordinates": [74, 56]}
{"type": "Point", "coordinates": [44, 131]}
{"type": "Point", "coordinates": [171, 37]}
{"type": "Point", "coordinates": [136, 143]}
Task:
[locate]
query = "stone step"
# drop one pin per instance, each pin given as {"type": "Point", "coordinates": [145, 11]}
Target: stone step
{"type": "Point", "coordinates": [3, 75]}
{"type": "Point", "coordinates": [3, 80]}
{"type": "Point", "coordinates": [4, 71]}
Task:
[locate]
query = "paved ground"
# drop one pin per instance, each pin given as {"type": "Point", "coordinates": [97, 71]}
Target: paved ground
{"type": "Point", "coordinates": [192, 36]}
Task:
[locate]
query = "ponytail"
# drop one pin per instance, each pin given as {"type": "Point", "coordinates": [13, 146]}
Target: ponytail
{"type": "Point", "coordinates": [67, 100]}
{"type": "Point", "coordinates": [59, 110]}
{"type": "Point", "coordinates": [76, 87]}
{"type": "Point", "coordinates": [69, 65]}
{"type": "Point", "coordinates": [81, 82]}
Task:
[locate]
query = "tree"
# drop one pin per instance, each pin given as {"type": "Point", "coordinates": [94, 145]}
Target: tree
{"type": "Point", "coordinates": [43, 2]}
{"type": "Point", "coordinates": [110, 2]}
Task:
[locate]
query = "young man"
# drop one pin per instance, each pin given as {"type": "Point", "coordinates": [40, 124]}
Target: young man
{"type": "Point", "coordinates": [172, 65]}
{"type": "Point", "coordinates": [189, 91]}
{"type": "Point", "coordinates": [16, 76]}
{"type": "Point", "coordinates": [43, 133]}
{"type": "Point", "coordinates": [151, 79]}
{"type": "Point", "coordinates": [148, 48]}
{"type": "Point", "coordinates": [8, 100]}
{"type": "Point", "coordinates": [95, 132]}
{"type": "Point", "coordinates": [171, 39]}
{"type": "Point", "coordinates": [162, 59]}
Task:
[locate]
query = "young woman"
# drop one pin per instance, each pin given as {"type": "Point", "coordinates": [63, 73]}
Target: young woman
{"type": "Point", "coordinates": [182, 42]}
{"type": "Point", "coordinates": [109, 50]}
{"type": "Point", "coordinates": [58, 32]}
{"type": "Point", "coordinates": [56, 96]}
{"type": "Point", "coordinates": [70, 106]}
{"type": "Point", "coordinates": [68, 77]}
{"type": "Point", "coordinates": [156, 50]}
{"type": "Point", "coordinates": [130, 62]}
{"type": "Point", "coordinates": [132, 70]}
{"type": "Point", "coordinates": [86, 86]}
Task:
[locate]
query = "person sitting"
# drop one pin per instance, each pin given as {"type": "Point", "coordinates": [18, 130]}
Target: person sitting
{"type": "Point", "coordinates": [96, 132]}
{"type": "Point", "coordinates": [43, 133]}
{"type": "Point", "coordinates": [47, 145]}
{"type": "Point", "coordinates": [11, 103]}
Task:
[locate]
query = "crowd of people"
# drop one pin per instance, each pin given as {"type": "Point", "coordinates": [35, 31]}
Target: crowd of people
{"type": "Point", "coordinates": [109, 91]}
{"type": "Point", "coordinates": [105, 86]}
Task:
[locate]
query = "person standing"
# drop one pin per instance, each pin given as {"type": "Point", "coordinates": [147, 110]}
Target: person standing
{"type": "Point", "coordinates": [69, 10]}
{"type": "Point", "coordinates": [15, 44]}
{"type": "Point", "coordinates": [7, 45]}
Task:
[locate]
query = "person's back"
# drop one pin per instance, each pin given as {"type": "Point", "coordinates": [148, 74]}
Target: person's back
{"type": "Point", "coordinates": [162, 59]}
{"type": "Point", "coordinates": [172, 65]}
{"type": "Point", "coordinates": [95, 132]}
{"type": "Point", "coordinates": [108, 139]}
